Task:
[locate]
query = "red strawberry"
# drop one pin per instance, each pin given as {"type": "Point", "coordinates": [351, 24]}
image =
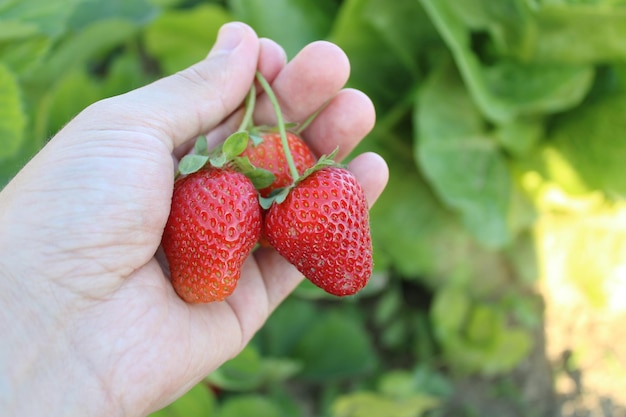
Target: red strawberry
{"type": "Point", "coordinates": [214, 223]}
{"type": "Point", "coordinates": [269, 154]}
{"type": "Point", "coordinates": [322, 227]}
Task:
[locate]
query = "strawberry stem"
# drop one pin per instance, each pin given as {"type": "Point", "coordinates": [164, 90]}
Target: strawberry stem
{"type": "Point", "coordinates": [250, 103]}
{"type": "Point", "coordinates": [281, 125]}
{"type": "Point", "coordinates": [308, 121]}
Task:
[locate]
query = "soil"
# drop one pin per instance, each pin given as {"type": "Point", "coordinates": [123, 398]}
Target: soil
{"type": "Point", "coordinates": [587, 346]}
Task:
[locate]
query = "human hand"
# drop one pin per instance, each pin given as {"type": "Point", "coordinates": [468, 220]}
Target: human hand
{"type": "Point", "coordinates": [91, 324]}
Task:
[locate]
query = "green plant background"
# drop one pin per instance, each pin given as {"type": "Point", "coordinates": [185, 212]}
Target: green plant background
{"type": "Point", "coordinates": [495, 116]}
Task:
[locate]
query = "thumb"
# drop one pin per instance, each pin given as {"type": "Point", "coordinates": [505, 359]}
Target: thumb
{"type": "Point", "coordinates": [184, 105]}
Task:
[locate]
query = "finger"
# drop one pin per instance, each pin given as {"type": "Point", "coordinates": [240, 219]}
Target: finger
{"type": "Point", "coordinates": [309, 80]}
{"type": "Point", "coordinates": [271, 279]}
{"type": "Point", "coordinates": [372, 172]}
{"type": "Point", "coordinates": [272, 58]}
{"type": "Point", "coordinates": [343, 123]}
{"type": "Point", "coordinates": [182, 106]}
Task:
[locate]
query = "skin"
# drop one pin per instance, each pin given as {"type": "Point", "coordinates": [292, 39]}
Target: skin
{"type": "Point", "coordinates": [90, 323]}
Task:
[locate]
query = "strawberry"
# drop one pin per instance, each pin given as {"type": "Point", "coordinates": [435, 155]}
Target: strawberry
{"type": "Point", "coordinates": [214, 223]}
{"type": "Point", "coordinates": [322, 227]}
{"type": "Point", "coordinates": [269, 154]}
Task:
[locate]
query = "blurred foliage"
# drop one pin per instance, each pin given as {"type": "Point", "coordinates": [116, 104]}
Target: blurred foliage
{"type": "Point", "coordinates": [501, 121]}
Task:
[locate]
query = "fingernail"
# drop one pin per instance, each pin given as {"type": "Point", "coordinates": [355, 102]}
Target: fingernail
{"type": "Point", "coordinates": [229, 36]}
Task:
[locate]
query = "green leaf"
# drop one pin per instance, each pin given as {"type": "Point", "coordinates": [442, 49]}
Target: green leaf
{"type": "Point", "coordinates": [12, 117]}
{"type": "Point", "coordinates": [592, 140]}
{"type": "Point", "coordinates": [88, 12]}
{"type": "Point", "coordinates": [125, 73]}
{"type": "Point", "coordinates": [397, 384]}
{"type": "Point", "coordinates": [261, 178]}
{"type": "Point", "coordinates": [201, 147]}
{"type": "Point", "coordinates": [198, 402]}
{"type": "Point", "coordinates": [250, 405]}
{"type": "Point", "coordinates": [12, 30]}
{"type": "Point", "coordinates": [577, 33]}
{"type": "Point", "coordinates": [192, 163]}
{"type": "Point", "coordinates": [19, 18]}
{"type": "Point", "coordinates": [385, 42]}
{"type": "Point", "coordinates": [291, 23]}
{"type": "Point", "coordinates": [521, 136]}
{"type": "Point", "coordinates": [96, 39]}
{"type": "Point", "coordinates": [70, 95]}
{"type": "Point", "coordinates": [461, 160]}
{"type": "Point", "coordinates": [449, 310]}
{"type": "Point", "coordinates": [181, 37]}
{"type": "Point", "coordinates": [481, 322]}
{"type": "Point", "coordinates": [235, 144]}
{"type": "Point", "coordinates": [243, 372]}
{"type": "Point", "coordinates": [256, 139]}
{"type": "Point", "coordinates": [474, 336]}
{"type": "Point", "coordinates": [507, 88]}
{"type": "Point", "coordinates": [335, 346]}
{"type": "Point", "coordinates": [366, 404]}
{"type": "Point", "coordinates": [513, 346]}
{"type": "Point", "coordinates": [286, 326]}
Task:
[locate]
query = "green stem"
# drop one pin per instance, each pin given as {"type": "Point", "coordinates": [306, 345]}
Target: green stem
{"type": "Point", "coordinates": [250, 103]}
{"type": "Point", "coordinates": [312, 117]}
{"type": "Point", "coordinates": [281, 125]}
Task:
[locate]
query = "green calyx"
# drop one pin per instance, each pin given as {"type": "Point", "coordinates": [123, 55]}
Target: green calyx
{"type": "Point", "coordinates": [279, 195]}
{"type": "Point", "coordinates": [226, 155]}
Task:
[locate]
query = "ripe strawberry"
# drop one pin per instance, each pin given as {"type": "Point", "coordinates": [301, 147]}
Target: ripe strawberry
{"type": "Point", "coordinates": [322, 227]}
{"type": "Point", "coordinates": [214, 223]}
{"type": "Point", "coordinates": [269, 154]}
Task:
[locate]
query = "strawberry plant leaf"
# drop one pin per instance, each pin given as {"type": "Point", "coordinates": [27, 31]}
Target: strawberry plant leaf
{"type": "Point", "coordinates": [139, 12]}
{"type": "Point", "coordinates": [385, 41]}
{"type": "Point", "coordinates": [25, 17]}
{"type": "Point", "coordinates": [298, 23]}
{"type": "Point", "coordinates": [199, 401]}
{"type": "Point", "coordinates": [587, 138]}
{"type": "Point", "coordinates": [365, 404]}
{"type": "Point", "coordinates": [235, 144]}
{"type": "Point", "coordinates": [12, 117]}
{"type": "Point", "coordinates": [178, 38]}
{"type": "Point", "coordinates": [192, 163]}
{"type": "Point", "coordinates": [344, 336]}
{"type": "Point", "coordinates": [75, 51]}
{"type": "Point", "coordinates": [243, 372]}
{"type": "Point", "coordinates": [285, 327]}
{"type": "Point", "coordinates": [250, 405]}
{"type": "Point", "coordinates": [461, 160]}
{"type": "Point", "coordinates": [508, 88]}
